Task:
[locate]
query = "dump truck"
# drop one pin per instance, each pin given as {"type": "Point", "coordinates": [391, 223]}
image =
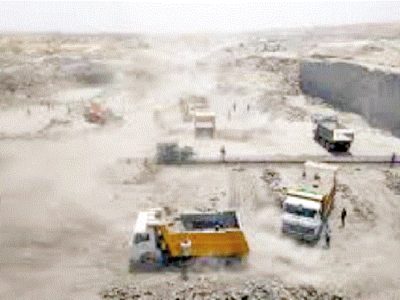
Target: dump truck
{"type": "Point", "coordinates": [204, 123]}
{"type": "Point", "coordinates": [307, 205]}
{"type": "Point", "coordinates": [189, 105]}
{"type": "Point", "coordinates": [95, 113]}
{"type": "Point", "coordinates": [99, 114]}
{"type": "Point", "coordinates": [172, 153]}
{"type": "Point", "coordinates": [331, 134]}
{"type": "Point", "coordinates": [159, 239]}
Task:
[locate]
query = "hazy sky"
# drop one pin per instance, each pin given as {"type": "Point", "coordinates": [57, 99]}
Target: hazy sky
{"type": "Point", "coordinates": [188, 16]}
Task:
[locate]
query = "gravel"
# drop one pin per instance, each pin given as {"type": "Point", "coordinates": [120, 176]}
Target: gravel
{"type": "Point", "coordinates": [393, 181]}
{"type": "Point", "coordinates": [274, 181]}
{"type": "Point", "coordinates": [204, 288]}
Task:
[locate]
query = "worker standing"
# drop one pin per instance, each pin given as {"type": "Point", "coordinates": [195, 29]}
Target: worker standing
{"type": "Point", "coordinates": [343, 216]}
{"type": "Point", "coordinates": [248, 107]}
{"type": "Point", "coordinates": [223, 153]}
{"type": "Point", "coordinates": [327, 236]}
{"type": "Point", "coordinates": [186, 247]}
{"type": "Point", "coordinates": [234, 106]}
{"type": "Point", "coordinates": [393, 160]}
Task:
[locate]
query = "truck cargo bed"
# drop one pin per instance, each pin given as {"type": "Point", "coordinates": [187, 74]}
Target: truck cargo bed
{"type": "Point", "coordinates": [213, 234]}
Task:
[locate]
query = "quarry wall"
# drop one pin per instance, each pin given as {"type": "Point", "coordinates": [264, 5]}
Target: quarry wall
{"type": "Point", "coordinates": [369, 91]}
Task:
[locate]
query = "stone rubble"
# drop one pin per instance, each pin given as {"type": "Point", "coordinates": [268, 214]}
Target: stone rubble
{"type": "Point", "coordinates": [210, 290]}
{"type": "Point", "coordinates": [393, 181]}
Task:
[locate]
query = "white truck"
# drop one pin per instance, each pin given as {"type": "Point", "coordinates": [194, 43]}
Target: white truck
{"type": "Point", "coordinates": [191, 104]}
{"type": "Point", "coordinates": [204, 123]}
{"type": "Point", "coordinates": [307, 206]}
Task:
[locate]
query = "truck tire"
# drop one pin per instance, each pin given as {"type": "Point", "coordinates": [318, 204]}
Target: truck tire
{"type": "Point", "coordinates": [328, 146]}
{"type": "Point", "coordinates": [316, 136]}
{"type": "Point", "coordinates": [147, 258]}
{"type": "Point", "coordinates": [234, 262]}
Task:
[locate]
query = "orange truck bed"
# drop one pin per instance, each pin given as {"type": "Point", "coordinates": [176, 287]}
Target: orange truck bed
{"type": "Point", "coordinates": [210, 234]}
{"type": "Point", "coordinates": [222, 243]}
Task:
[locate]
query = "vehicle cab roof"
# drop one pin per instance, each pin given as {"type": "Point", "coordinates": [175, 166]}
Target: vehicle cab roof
{"type": "Point", "coordinates": [146, 219]}
{"type": "Point", "coordinates": [295, 201]}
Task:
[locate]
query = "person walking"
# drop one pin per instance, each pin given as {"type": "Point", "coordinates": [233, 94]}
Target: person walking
{"type": "Point", "coordinates": [223, 152]}
{"type": "Point", "coordinates": [186, 248]}
{"type": "Point", "coordinates": [343, 216]}
{"type": "Point", "coordinates": [393, 160]}
{"type": "Point", "coordinates": [327, 236]}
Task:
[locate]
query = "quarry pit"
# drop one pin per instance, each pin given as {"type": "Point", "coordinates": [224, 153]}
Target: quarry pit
{"type": "Point", "coordinates": [71, 190]}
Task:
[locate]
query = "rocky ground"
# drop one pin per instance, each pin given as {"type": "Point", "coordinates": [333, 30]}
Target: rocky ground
{"type": "Point", "coordinates": [393, 181]}
{"type": "Point", "coordinates": [70, 190]}
{"type": "Point", "coordinates": [204, 288]}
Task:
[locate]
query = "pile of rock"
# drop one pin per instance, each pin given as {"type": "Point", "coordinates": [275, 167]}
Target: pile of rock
{"type": "Point", "coordinates": [363, 210]}
{"type": "Point", "coordinates": [126, 292]}
{"type": "Point", "coordinates": [206, 289]}
{"type": "Point", "coordinates": [393, 181]}
{"type": "Point", "coordinates": [295, 114]}
{"type": "Point", "coordinates": [273, 179]}
{"type": "Point", "coordinates": [344, 190]}
{"type": "Point", "coordinates": [284, 68]}
{"type": "Point", "coordinates": [144, 171]}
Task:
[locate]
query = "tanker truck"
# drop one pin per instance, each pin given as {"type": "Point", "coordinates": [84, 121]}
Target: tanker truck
{"type": "Point", "coordinates": [308, 204]}
{"type": "Point", "coordinates": [160, 240]}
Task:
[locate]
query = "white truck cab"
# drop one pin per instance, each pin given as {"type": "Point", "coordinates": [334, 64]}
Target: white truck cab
{"type": "Point", "coordinates": [302, 218]}
{"type": "Point", "coordinates": [143, 241]}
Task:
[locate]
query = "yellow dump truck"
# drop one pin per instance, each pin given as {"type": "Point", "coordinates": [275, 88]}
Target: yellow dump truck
{"type": "Point", "coordinates": [161, 240]}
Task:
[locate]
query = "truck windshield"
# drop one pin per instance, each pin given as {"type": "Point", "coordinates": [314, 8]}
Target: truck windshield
{"type": "Point", "coordinates": [300, 211]}
{"type": "Point", "coordinates": [141, 237]}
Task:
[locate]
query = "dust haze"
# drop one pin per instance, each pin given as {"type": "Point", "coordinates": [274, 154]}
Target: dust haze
{"type": "Point", "coordinates": [71, 189]}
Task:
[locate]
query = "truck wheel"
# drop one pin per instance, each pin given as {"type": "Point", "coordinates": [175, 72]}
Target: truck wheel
{"type": "Point", "coordinates": [233, 262]}
{"type": "Point", "coordinates": [328, 146]}
{"type": "Point", "coordinates": [315, 136]}
{"type": "Point", "coordinates": [147, 258]}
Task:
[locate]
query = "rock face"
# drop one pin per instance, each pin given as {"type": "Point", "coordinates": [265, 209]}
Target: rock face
{"type": "Point", "coordinates": [371, 92]}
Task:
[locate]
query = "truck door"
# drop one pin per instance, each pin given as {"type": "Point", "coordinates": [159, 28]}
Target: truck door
{"type": "Point", "coordinates": [144, 247]}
